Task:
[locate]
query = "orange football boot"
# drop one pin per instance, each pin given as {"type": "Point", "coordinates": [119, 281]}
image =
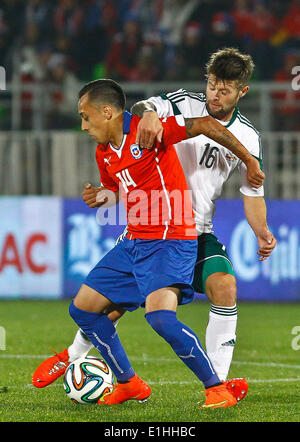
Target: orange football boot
{"type": "Point", "coordinates": [218, 397]}
{"type": "Point", "coordinates": [51, 369]}
{"type": "Point", "coordinates": [238, 387]}
{"type": "Point", "coordinates": [135, 388]}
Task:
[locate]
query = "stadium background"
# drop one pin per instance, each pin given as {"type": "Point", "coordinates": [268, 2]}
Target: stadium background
{"type": "Point", "coordinates": [49, 239]}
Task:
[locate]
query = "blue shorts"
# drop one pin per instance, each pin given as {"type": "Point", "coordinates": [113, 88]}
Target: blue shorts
{"type": "Point", "coordinates": [133, 269]}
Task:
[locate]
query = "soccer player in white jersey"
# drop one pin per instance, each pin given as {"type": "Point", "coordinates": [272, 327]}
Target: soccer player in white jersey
{"type": "Point", "coordinates": [207, 166]}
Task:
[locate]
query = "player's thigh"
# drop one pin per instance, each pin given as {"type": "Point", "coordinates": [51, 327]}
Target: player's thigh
{"type": "Point", "coordinates": [162, 299]}
{"type": "Point", "coordinates": [220, 288]}
{"type": "Point", "coordinates": [90, 300]}
{"type": "Point", "coordinates": [167, 266]}
{"type": "Point", "coordinates": [113, 277]}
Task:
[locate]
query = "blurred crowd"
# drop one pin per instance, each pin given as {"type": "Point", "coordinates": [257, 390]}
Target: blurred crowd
{"type": "Point", "coordinates": [66, 41]}
{"type": "Point", "coordinates": [145, 40]}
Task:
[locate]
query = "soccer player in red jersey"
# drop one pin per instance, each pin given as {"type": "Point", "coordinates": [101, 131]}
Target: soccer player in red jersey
{"type": "Point", "coordinates": [153, 265]}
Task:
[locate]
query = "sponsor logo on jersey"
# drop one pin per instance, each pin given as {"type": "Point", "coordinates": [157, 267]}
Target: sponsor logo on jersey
{"type": "Point", "coordinates": [107, 161]}
{"type": "Point", "coordinates": [136, 152]}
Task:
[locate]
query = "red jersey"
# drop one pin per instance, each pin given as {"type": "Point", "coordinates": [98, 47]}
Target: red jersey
{"type": "Point", "coordinates": [152, 182]}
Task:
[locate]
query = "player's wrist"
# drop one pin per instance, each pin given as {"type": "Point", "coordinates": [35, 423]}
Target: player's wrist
{"type": "Point", "coordinates": [148, 109]}
{"type": "Point", "coordinates": [150, 112]}
{"type": "Point", "coordinates": [249, 159]}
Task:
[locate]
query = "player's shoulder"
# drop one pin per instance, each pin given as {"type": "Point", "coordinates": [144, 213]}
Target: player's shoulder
{"type": "Point", "coordinates": [246, 126]}
{"type": "Point", "coordinates": [100, 152]}
{"type": "Point", "coordinates": [101, 148]}
{"type": "Point", "coordinates": [249, 136]}
{"type": "Point", "coordinates": [182, 94]}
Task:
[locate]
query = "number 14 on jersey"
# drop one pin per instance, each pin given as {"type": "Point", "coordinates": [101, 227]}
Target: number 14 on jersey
{"type": "Point", "coordinates": [126, 179]}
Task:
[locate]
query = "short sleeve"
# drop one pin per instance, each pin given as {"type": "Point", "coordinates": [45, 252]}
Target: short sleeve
{"type": "Point", "coordinates": [253, 144]}
{"type": "Point", "coordinates": [174, 130]}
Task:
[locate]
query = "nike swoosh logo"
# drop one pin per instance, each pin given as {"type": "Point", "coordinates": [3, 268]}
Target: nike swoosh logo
{"type": "Point", "coordinates": [136, 397]}
{"type": "Point", "coordinates": [101, 399]}
{"type": "Point", "coordinates": [214, 405]}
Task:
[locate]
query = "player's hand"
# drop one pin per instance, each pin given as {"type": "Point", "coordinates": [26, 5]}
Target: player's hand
{"type": "Point", "coordinates": [266, 242]}
{"type": "Point", "coordinates": [149, 130]}
{"type": "Point", "coordinates": [94, 196]}
{"type": "Point", "coordinates": [255, 176]}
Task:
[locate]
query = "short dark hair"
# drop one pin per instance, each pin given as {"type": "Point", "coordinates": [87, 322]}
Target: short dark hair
{"type": "Point", "coordinates": [230, 64]}
{"type": "Point", "coordinates": [104, 91]}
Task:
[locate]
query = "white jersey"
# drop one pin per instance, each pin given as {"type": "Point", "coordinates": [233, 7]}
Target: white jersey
{"type": "Point", "coordinates": [208, 165]}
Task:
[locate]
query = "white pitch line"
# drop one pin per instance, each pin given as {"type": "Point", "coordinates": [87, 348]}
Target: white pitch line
{"type": "Point", "coordinates": [146, 358]}
{"type": "Point", "coordinates": [250, 381]}
{"type": "Point", "coordinates": [8, 356]}
{"type": "Point", "coordinates": [266, 364]}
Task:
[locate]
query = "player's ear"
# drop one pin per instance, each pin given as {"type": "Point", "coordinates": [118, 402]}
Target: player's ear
{"type": "Point", "coordinates": [243, 91]}
{"type": "Point", "coordinates": [107, 112]}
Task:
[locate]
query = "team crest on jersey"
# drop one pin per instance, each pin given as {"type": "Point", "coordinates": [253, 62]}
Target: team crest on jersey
{"type": "Point", "coordinates": [136, 152]}
{"type": "Point", "coordinates": [230, 157]}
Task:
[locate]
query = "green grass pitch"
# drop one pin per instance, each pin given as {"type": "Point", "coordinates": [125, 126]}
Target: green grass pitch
{"type": "Point", "coordinates": [266, 355]}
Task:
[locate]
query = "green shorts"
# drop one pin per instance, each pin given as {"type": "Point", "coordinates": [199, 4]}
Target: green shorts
{"type": "Point", "coordinates": [212, 257]}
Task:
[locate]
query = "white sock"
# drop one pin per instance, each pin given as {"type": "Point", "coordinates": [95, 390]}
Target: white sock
{"type": "Point", "coordinates": [220, 338]}
{"type": "Point", "coordinates": [80, 347]}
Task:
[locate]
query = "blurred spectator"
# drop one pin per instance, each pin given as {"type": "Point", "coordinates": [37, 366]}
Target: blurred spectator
{"type": "Point", "coordinates": [193, 52]}
{"type": "Point", "coordinates": [10, 26]}
{"type": "Point", "coordinates": [124, 51]}
{"type": "Point", "coordinates": [149, 13]}
{"type": "Point", "coordinates": [265, 25]}
{"type": "Point", "coordinates": [99, 27]}
{"type": "Point", "coordinates": [243, 21]}
{"type": "Point", "coordinates": [291, 22]}
{"type": "Point", "coordinates": [287, 103]}
{"type": "Point", "coordinates": [63, 45]}
{"type": "Point", "coordinates": [29, 53]}
{"type": "Point", "coordinates": [221, 32]}
{"type": "Point", "coordinates": [175, 71]}
{"type": "Point", "coordinates": [146, 69]}
{"type": "Point", "coordinates": [63, 100]}
{"type": "Point", "coordinates": [40, 12]}
{"type": "Point", "coordinates": [175, 15]}
{"type": "Point", "coordinates": [26, 78]}
{"type": "Point", "coordinates": [68, 17]}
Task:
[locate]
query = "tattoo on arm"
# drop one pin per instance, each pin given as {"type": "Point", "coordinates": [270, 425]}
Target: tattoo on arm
{"type": "Point", "coordinates": [219, 134]}
{"type": "Point", "coordinates": [226, 140]}
{"type": "Point", "coordinates": [223, 138]}
{"type": "Point", "coordinates": [189, 124]}
{"type": "Point", "coordinates": [141, 106]}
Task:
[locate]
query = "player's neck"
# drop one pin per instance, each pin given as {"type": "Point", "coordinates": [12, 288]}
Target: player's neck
{"type": "Point", "coordinates": [116, 134]}
{"type": "Point", "coordinates": [226, 118]}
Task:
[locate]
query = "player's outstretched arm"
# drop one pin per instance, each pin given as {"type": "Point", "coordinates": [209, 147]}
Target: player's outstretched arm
{"type": "Point", "coordinates": [99, 196]}
{"type": "Point", "coordinates": [211, 128]}
{"type": "Point", "coordinates": [256, 214]}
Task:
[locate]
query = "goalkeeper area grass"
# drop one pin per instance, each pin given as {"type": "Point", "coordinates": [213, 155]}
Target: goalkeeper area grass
{"type": "Point", "coordinates": [267, 354]}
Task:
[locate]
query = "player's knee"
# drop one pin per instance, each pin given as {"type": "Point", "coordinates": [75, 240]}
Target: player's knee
{"type": "Point", "coordinates": [223, 291]}
{"type": "Point", "coordinates": [82, 318]}
{"type": "Point", "coordinates": [158, 322]}
{"type": "Point", "coordinates": [74, 313]}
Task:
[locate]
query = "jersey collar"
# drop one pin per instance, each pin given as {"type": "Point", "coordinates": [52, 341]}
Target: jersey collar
{"type": "Point", "coordinates": [126, 122]}
{"type": "Point", "coordinates": [234, 115]}
{"type": "Point", "coordinates": [126, 129]}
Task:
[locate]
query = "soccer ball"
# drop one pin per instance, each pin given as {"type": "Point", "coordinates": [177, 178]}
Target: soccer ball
{"type": "Point", "coordinates": [87, 379]}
